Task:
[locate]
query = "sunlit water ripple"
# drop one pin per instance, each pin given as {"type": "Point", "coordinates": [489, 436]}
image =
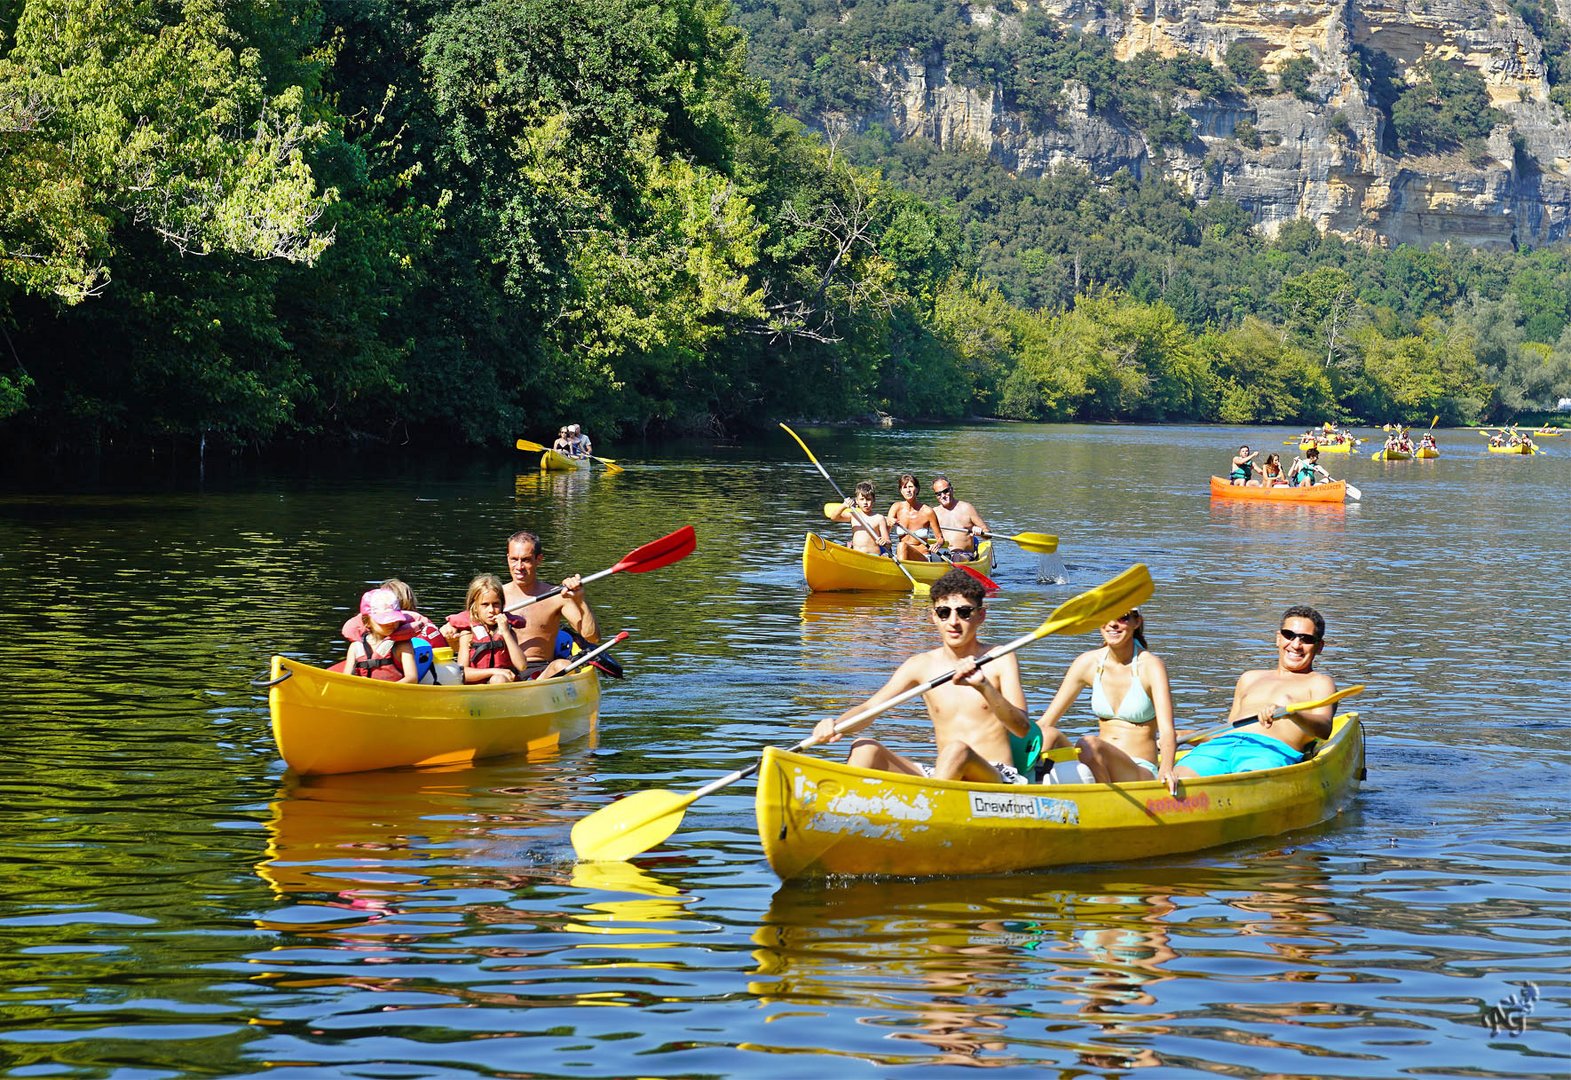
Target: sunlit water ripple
{"type": "Point", "coordinates": [176, 905]}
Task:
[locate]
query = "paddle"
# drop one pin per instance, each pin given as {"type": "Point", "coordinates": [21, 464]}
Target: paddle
{"type": "Point", "coordinates": [611, 466]}
{"type": "Point", "coordinates": [1038, 543]}
{"type": "Point", "coordinates": [1297, 706]}
{"type": "Point", "coordinates": [592, 655]}
{"type": "Point", "coordinates": [652, 556]}
{"type": "Point", "coordinates": [639, 822]}
{"type": "Point", "coordinates": [832, 512]}
{"type": "Point", "coordinates": [916, 586]}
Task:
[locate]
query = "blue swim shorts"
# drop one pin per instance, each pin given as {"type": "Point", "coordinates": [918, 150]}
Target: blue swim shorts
{"type": "Point", "coordinates": [1240, 751]}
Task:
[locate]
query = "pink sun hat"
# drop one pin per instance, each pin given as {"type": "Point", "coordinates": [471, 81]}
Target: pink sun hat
{"type": "Point", "coordinates": [381, 607]}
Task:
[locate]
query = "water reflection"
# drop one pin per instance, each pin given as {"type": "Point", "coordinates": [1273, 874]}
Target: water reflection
{"type": "Point", "coordinates": [1100, 967]}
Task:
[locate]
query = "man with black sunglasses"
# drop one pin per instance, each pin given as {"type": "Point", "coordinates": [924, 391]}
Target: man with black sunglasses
{"type": "Point", "coordinates": [1263, 736]}
{"type": "Point", "coordinates": [958, 519]}
{"type": "Point", "coordinates": [973, 715]}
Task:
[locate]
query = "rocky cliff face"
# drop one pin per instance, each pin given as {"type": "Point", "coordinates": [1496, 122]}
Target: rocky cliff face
{"type": "Point", "coordinates": [1302, 165]}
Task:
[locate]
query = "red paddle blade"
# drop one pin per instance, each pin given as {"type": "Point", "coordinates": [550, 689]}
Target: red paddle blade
{"type": "Point", "coordinates": [657, 553]}
{"type": "Point", "coordinates": [987, 583]}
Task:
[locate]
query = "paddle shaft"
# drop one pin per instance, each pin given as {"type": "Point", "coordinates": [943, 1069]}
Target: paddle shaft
{"type": "Point", "coordinates": [1042, 543]}
{"type": "Point", "coordinates": [593, 654]}
{"type": "Point", "coordinates": [556, 590]}
{"type": "Point", "coordinates": [854, 723]}
{"type": "Point", "coordinates": [1297, 706]}
{"type": "Point", "coordinates": [651, 556]}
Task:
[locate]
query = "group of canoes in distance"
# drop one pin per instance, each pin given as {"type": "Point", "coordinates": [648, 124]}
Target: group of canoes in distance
{"type": "Point", "coordinates": [1328, 437]}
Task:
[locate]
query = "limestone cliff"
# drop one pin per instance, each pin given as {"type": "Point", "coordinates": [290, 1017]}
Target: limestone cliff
{"type": "Point", "coordinates": [1326, 158]}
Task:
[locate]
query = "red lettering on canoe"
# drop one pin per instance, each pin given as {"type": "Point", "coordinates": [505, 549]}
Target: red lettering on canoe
{"type": "Point", "coordinates": [1189, 804]}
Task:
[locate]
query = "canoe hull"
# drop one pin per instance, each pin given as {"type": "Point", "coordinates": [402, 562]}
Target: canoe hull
{"type": "Point", "coordinates": [1520, 448]}
{"type": "Point", "coordinates": [1391, 455]}
{"type": "Point", "coordinates": [1426, 452]}
{"type": "Point", "coordinates": [1334, 492]}
{"type": "Point", "coordinates": [832, 567]}
{"type": "Point", "coordinates": [1327, 448]}
{"type": "Point", "coordinates": [819, 819]}
{"type": "Point", "coordinates": [327, 722]}
{"type": "Point", "coordinates": [555, 461]}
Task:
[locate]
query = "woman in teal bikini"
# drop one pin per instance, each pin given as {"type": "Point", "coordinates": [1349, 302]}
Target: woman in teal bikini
{"type": "Point", "coordinates": [1136, 739]}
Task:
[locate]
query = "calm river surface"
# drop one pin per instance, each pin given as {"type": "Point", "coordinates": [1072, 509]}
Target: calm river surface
{"type": "Point", "coordinates": [174, 904]}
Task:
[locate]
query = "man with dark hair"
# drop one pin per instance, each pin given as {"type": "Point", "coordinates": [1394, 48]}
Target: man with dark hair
{"type": "Point", "coordinates": [536, 626]}
{"type": "Point", "coordinates": [1266, 737]}
{"type": "Point", "coordinates": [973, 714]}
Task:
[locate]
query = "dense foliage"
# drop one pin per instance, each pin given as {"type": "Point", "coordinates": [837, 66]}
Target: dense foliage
{"type": "Point", "coordinates": [241, 221]}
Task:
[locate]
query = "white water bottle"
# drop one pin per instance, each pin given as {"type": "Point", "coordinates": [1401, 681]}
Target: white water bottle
{"type": "Point", "coordinates": [448, 673]}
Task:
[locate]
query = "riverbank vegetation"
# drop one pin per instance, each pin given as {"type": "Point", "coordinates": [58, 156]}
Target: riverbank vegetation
{"type": "Point", "coordinates": [406, 220]}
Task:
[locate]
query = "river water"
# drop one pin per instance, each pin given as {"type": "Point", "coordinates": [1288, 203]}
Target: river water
{"type": "Point", "coordinates": [175, 904]}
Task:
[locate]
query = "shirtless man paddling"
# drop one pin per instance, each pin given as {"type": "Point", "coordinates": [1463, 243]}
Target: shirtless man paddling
{"type": "Point", "coordinates": [1270, 737]}
{"type": "Point", "coordinates": [542, 619]}
{"type": "Point", "coordinates": [958, 518]}
{"type": "Point", "coordinates": [972, 715]}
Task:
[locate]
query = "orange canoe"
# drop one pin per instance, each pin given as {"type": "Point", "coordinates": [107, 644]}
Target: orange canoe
{"type": "Point", "coordinates": [1334, 492]}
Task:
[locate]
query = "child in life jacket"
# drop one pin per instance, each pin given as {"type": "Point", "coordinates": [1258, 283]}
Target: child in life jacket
{"type": "Point", "coordinates": [488, 649]}
{"type": "Point", "coordinates": [421, 632]}
{"type": "Point", "coordinates": [382, 651]}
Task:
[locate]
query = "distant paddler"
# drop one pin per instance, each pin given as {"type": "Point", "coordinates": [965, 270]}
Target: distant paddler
{"type": "Point", "coordinates": [959, 520]}
{"type": "Point", "coordinates": [1243, 471]}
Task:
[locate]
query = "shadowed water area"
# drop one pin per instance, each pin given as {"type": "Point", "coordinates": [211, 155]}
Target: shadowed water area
{"type": "Point", "coordinates": [176, 904]}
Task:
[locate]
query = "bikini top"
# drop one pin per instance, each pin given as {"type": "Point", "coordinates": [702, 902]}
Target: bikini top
{"type": "Point", "coordinates": [1136, 707]}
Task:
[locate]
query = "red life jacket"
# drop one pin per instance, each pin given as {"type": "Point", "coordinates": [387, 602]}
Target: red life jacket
{"type": "Point", "coordinates": [489, 654]}
{"type": "Point", "coordinates": [386, 667]}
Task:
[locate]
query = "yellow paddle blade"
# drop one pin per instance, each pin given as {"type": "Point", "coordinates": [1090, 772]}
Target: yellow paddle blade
{"type": "Point", "coordinates": [1345, 692]}
{"type": "Point", "coordinates": [832, 510]}
{"type": "Point", "coordinates": [525, 444]}
{"type": "Point", "coordinates": [610, 466]}
{"type": "Point", "coordinates": [1041, 543]}
{"type": "Point", "coordinates": [1096, 606]}
{"type": "Point", "coordinates": [630, 826]}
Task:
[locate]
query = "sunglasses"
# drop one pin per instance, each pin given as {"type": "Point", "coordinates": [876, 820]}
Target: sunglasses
{"type": "Point", "coordinates": [943, 611]}
{"type": "Point", "coordinates": [1307, 639]}
{"type": "Point", "coordinates": [941, 492]}
{"type": "Point", "coordinates": [1126, 618]}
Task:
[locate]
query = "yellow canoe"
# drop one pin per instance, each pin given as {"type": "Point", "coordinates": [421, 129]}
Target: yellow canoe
{"type": "Point", "coordinates": [328, 722]}
{"type": "Point", "coordinates": [555, 461]}
{"type": "Point", "coordinates": [1519, 448]}
{"type": "Point", "coordinates": [1327, 448]}
{"type": "Point", "coordinates": [818, 818]}
{"type": "Point", "coordinates": [1391, 455]}
{"type": "Point", "coordinates": [1426, 452]}
{"type": "Point", "coordinates": [832, 567]}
